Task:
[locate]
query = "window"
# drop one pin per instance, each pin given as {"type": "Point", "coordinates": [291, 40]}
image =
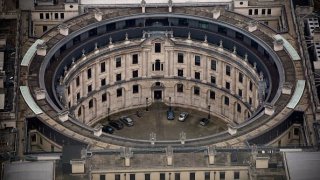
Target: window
{"type": "Point", "coordinates": [104, 97]}
{"type": "Point", "coordinates": [180, 72]}
{"type": "Point", "coordinates": [89, 88]}
{"type": "Point", "coordinates": [118, 62]}
{"type": "Point", "coordinates": [132, 177]}
{"type": "Point", "coordinates": [213, 79]}
{"type": "Point", "coordinates": [89, 75]}
{"type": "Point", "coordinates": [33, 137]}
{"type": "Point", "coordinates": [196, 90]}
{"type": "Point", "coordinates": [212, 95]}
{"type": "Point", "coordinates": [68, 90]}
{"type": "Point", "coordinates": [296, 131]}
{"type": "Point", "coordinates": [56, 15]}
{"type": "Point", "coordinates": [146, 176]}
{"type": "Point", "coordinates": [239, 108]}
{"type": "Point", "coordinates": [162, 176]}
{"type": "Point", "coordinates": [180, 88]}
{"type": "Point", "coordinates": [41, 140]}
{"type": "Point", "coordinates": [213, 65]}
{"type": "Point", "coordinates": [135, 89]}
{"type": "Point", "coordinates": [241, 3]}
{"type": "Point", "coordinates": [197, 75]}
{"type": "Point", "coordinates": [226, 101]}
{"type": "Point", "coordinates": [157, 65]}
{"type": "Point", "coordinates": [250, 100]}
{"type": "Point", "coordinates": [222, 175]}
{"type": "Point", "coordinates": [250, 85]}
{"type": "Point", "coordinates": [240, 92]}
{"type": "Point", "coordinates": [192, 176]}
{"type": "Point", "coordinates": [102, 177]}
{"type": "Point", "coordinates": [102, 67]}
{"type": "Point", "coordinates": [134, 73]}
{"type": "Point", "coordinates": [228, 70]}
{"type": "Point", "coordinates": [44, 28]}
{"type": "Point", "coordinates": [47, 16]}
{"type": "Point", "coordinates": [135, 59]}
{"type": "Point", "coordinates": [103, 82]}
{"type": "Point", "coordinates": [263, 11]}
{"type": "Point", "coordinates": [118, 77]}
{"type": "Point", "coordinates": [90, 103]}
{"type": "Point", "coordinates": [78, 96]}
{"type": "Point", "coordinates": [240, 77]}
{"type": "Point", "coordinates": [269, 12]}
{"type": "Point", "coordinates": [250, 11]}
{"type": "Point", "coordinates": [157, 47]}
{"type": "Point", "coordinates": [197, 60]}
{"type": "Point", "coordinates": [236, 175]}
{"type": "Point", "coordinates": [228, 85]}
{"type": "Point", "coordinates": [62, 15]}
{"type": "Point", "coordinates": [176, 176]}
{"type": "Point", "coordinates": [117, 177]}
{"type": "Point", "coordinates": [119, 92]}
{"type": "Point", "coordinates": [79, 111]}
{"type": "Point", "coordinates": [255, 11]}
{"type": "Point", "coordinates": [41, 15]}
{"type": "Point", "coordinates": [206, 175]}
{"type": "Point", "coordinates": [180, 58]}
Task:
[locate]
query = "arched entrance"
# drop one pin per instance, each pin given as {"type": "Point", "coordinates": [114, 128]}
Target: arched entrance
{"type": "Point", "coordinates": [158, 89]}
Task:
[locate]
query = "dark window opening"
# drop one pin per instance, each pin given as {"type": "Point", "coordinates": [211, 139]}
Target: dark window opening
{"type": "Point", "coordinates": [93, 32]}
{"type": "Point", "coordinates": [222, 175]}
{"type": "Point", "coordinates": [180, 88]}
{"type": "Point", "coordinates": [135, 59]}
{"type": "Point", "coordinates": [180, 72]}
{"type": "Point", "coordinates": [250, 11]}
{"type": "Point", "coordinates": [91, 103]}
{"type": "Point", "coordinates": [228, 70]}
{"type": "Point", "coordinates": [157, 65]}
{"type": "Point", "coordinates": [255, 11]}
{"type": "Point", "coordinates": [118, 77]}
{"type": "Point", "coordinates": [130, 23]}
{"type": "Point", "coordinates": [226, 101]}
{"type": "Point", "coordinates": [176, 176]}
{"type": "Point", "coordinates": [192, 176]}
{"type": "Point", "coordinates": [102, 177]}
{"type": "Point", "coordinates": [250, 85]}
{"type": "Point", "coordinates": [157, 47]}
{"type": "Point", "coordinates": [213, 80]}
{"type": "Point", "coordinates": [213, 65]}
{"type": "Point", "coordinates": [263, 11]}
{"type": "Point", "coordinates": [135, 89]}
{"type": "Point", "coordinates": [197, 60]}
{"type": "Point", "coordinates": [212, 95]}
{"type": "Point", "coordinates": [103, 82]}
{"type": "Point", "coordinates": [103, 67]}
{"type": "Point", "coordinates": [111, 27]}
{"type": "Point", "coordinates": [196, 90]}
{"type": "Point", "coordinates": [77, 81]}
{"type": "Point", "coordinates": [197, 75]}
{"type": "Point", "coordinates": [228, 85]}
{"type": "Point", "coordinates": [239, 108]}
{"type": "Point", "coordinates": [47, 16]}
{"type": "Point", "coordinates": [132, 177]}
{"type": "Point", "coordinates": [240, 92]}
{"type": "Point", "coordinates": [41, 15]}
{"type": "Point", "coordinates": [56, 15]}
{"type": "Point", "coordinates": [250, 100]}
{"type": "Point", "coordinates": [119, 92]}
{"type": "Point", "coordinates": [183, 22]}
{"type": "Point", "coordinates": [62, 15]}
{"type": "Point", "coordinates": [44, 28]}
{"type": "Point", "coordinates": [118, 62]}
{"type": "Point", "coordinates": [78, 96]}
{"type": "Point", "coordinates": [89, 75]}
{"type": "Point", "coordinates": [146, 176]}
{"type": "Point", "coordinates": [162, 176]}
{"type": "Point", "coordinates": [236, 175]}
{"type": "Point", "coordinates": [207, 176]}
{"type": "Point", "coordinates": [269, 11]}
{"type": "Point", "coordinates": [135, 74]}
{"type": "Point", "coordinates": [240, 77]}
{"type": "Point", "coordinates": [239, 36]}
{"type": "Point", "coordinates": [89, 88]}
{"type": "Point", "coordinates": [104, 97]}
{"type": "Point", "coordinates": [117, 177]}
{"type": "Point", "coordinates": [222, 30]}
{"type": "Point", "coordinates": [180, 58]}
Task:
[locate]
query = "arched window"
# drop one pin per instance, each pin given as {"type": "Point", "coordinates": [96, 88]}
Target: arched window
{"type": "Point", "coordinates": [157, 65]}
{"type": "Point", "coordinates": [91, 103]}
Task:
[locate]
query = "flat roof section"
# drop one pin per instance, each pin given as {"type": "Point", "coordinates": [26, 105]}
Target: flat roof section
{"type": "Point", "coordinates": [38, 170]}
{"type": "Point", "coordinates": [302, 165]}
{"type": "Point", "coordinates": [29, 100]}
{"type": "Point", "coordinates": [289, 48]}
{"type": "Point", "coordinates": [298, 92]}
{"type": "Point", "coordinates": [30, 53]}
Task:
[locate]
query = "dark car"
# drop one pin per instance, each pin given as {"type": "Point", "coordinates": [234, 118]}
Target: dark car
{"type": "Point", "coordinates": [108, 129]}
{"type": "Point", "coordinates": [170, 115]}
{"type": "Point", "coordinates": [116, 124]}
{"type": "Point", "coordinates": [204, 121]}
{"type": "Point", "coordinates": [126, 120]}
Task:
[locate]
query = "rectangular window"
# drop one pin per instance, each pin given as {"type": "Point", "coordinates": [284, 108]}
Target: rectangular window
{"type": "Point", "coordinates": [192, 176]}
{"type": "Point", "coordinates": [250, 11]}
{"type": "Point", "coordinates": [180, 88]}
{"type": "Point", "coordinates": [228, 70]}
{"type": "Point", "coordinates": [102, 67]}
{"type": "Point", "coordinates": [180, 57]}
{"type": "Point", "coordinates": [132, 177]}
{"type": "Point", "coordinates": [62, 15]}
{"type": "Point", "coordinates": [104, 97]}
{"type": "Point", "coordinates": [207, 176]}
{"type": "Point", "coordinates": [146, 176]}
{"type": "Point", "coordinates": [56, 15]}
{"type": "Point", "coordinates": [118, 77]}
{"type": "Point", "coordinates": [119, 92]}
{"type": "Point", "coordinates": [41, 15]}
{"type": "Point", "coordinates": [89, 88]}
{"type": "Point", "coordinates": [196, 90]}
{"type": "Point", "coordinates": [197, 60]}
{"type": "Point", "coordinates": [256, 11]}
{"type": "Point", "coordinates": [240, 77]}
{"type": "Point", "coordinates": [89, 75]}
{"type": "Point", "coordinates": [296, 131]}
{"type": "Point", "coordinates": [135, 59]}
{"type": "Point", "coordinates": [213, 79]}
{"type": "Point", "coordinates": [236, 175]}
{"type": "Point", "coordinates": [102, 177]}
{"type": "Point", "coordinates": [197, 75]}
{"type": "Point", "coordinates": [78, 96]}
{"type": "Point", "coordinates": [213, 65]}
{"type": "Point", "coordinates": [68, 90]}
{"type": "Point", "coordinates": [47, 16]}
{"type": "Point", "coordinates": [91, 103]}
{"type": "Point", "coordinates": [212, 95]}
{"type": "Point", "coordinates": [240, 92]}
{"type": "Point", "coordinates": [250, 100]}
{"type": "Point", "coordinates": [180, 72]}
{"type": "Point", "coordinates": [269, 11]}
{"type": "Point", "coordinates": [103, 82]}
{"type": "Point", "coordinates": [226, 101]}
{"type": "Point", "coordinates": [250, 85]}
{"type": "Point", "coordinates": [118, 62]}
{"type": "Point", "coordinates": [135, 73]}
{"type": "Point", "coordinates": [44, 28]}
{"type": "Point", "coordinates": [239, 108]}
{"type": "Point", "coordinates": [222, 175]}
{"type": "Point", "coordinates": [228, 85]}
{"type": "Point", "coordinates": [176, 176]}
{"type": "Point", "coordinates": [263, 11]}
{"type": "Point", "coordinates": [117, 177]}
{"type": "Point", "coordinates": [157, 47]}
{"type": "Point", "coordinates": [162, 176]}
{"type": "Point", "coordinates": [135, 89]}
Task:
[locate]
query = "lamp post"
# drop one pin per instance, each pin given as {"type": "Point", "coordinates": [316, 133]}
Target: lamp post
{"type": "Point", "coordinates": [209, 111]}
{"type": "Point", "coordinates": [108, 114]}
{"type": "Point", "coordinates": [147, 104]}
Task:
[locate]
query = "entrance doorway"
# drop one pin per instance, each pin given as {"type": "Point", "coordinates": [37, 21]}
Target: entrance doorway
{"type": "Point", "coordinates": [157, 94]}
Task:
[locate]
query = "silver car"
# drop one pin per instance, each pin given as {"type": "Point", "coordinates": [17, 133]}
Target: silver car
{"type": "Point", "coordinates": [126, 120]}
{"type": "Point", "coordinates": [183, 116]}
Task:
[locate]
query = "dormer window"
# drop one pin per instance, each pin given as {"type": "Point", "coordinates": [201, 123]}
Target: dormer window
{"type": "Point", "coordinates": [157, 47]}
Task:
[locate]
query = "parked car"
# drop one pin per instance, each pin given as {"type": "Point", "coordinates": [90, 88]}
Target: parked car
{"type": "Point", "coordinates": [108, 129]}
{"type": "Point", "coordinates": [126, 120]}
{"type": "Point", "coordinates": [183, 116]}
{"type": "Point", "coordinates": [204, 121]}
{"type": "Point", "coordinates": [170, 115]}
{"type": "Point", "coordinates": [116, 124]}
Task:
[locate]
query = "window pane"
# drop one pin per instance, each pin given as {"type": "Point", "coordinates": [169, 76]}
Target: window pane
{"type": "Point", "coordinates": [180, 58]}
{"type": "Point", "coordinates": [213, 65]}
{"type": "Point", "coordinates": [157, 48]}
{"type": "Point", "coordinates": [197, 60]}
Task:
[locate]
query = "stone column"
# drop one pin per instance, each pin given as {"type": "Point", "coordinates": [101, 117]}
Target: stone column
{"type": "Point", "coordinates": [63, 29]}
